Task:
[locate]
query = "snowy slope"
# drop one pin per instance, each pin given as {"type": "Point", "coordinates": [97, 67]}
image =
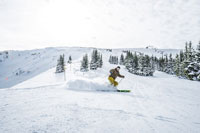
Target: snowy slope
{"type": "Point", "coordinates": [162, 103]}
{"type": "Point", "coordinates": [23, 65]}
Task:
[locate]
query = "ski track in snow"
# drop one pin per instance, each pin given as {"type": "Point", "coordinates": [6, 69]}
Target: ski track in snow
{"type": "Point", "coordinates": [162, 103]}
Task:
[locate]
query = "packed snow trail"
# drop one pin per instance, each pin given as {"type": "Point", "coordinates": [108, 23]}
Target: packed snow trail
{"type": "Point", "coordinates": [162, 103]}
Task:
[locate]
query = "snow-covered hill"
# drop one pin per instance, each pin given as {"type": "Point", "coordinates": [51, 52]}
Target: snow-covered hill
{"type": "Point", "coordinates": [47, 103]}
{"type": "Point", "coordinates": [23, 65]}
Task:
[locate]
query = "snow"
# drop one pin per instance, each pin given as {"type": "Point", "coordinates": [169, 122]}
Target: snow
{"type": "Point", "coordinates": [46, 103]}
{"type": "Point", "coordinates": [30, 63]}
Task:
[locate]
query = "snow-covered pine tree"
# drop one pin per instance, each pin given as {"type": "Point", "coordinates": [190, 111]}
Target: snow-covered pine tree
{"type": "Point", "coordinates": [110, 59]}
{"type": "Point", "coordinates": [113, 60]}
{"type": "Point", "coordinates": [94, 59]}
{"type": "Point", "coordinates": [165, 63]}
{"type": "Point", "coordinates": [192, 70]}
{"type": "Point", "coordinates": [170, 65]}
{"type": "Point", "coordinates": [121, 62]}
{"type": "Point", "coordinates": [197, 60]}
{"type": "Point", "coordinates": [60, 64]}
{"type": "Point", "coordinates": [153, 63]}
{"type": "Point", "coordinates": [101, 61]}
{"type": "Point", "coordinates": [181, 65]}
{"type": "Point", "coordinates": [148, 70]}
{"type": "Point", "coordinates": [128, 61]}
{"type": "Point", "coordinates": [197, 54]}
{"type": "Point", "coordinates": [188, 64]}
{"type": "Point", "coordinates": [84, 63]}
{"type": "Point", "coordinates": [177, 65]}
{"type": "Point", "coordinates": [161, 63]}
{"type": "Point", "coordinates": [69, 60]}
{"type": "Point", "coordinates": [134, 63]}
{"type": "Point", "coordinates": [139, 65]}
{"type": "Point", "coordinates": [185, 62]}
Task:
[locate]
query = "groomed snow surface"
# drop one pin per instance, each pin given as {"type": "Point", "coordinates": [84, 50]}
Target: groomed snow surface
{"type": "Point", "coordinates": [46, 103]}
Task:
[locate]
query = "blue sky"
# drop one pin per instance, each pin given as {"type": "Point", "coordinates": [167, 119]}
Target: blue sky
{"type": "Point", "coordinates": [29, 24]}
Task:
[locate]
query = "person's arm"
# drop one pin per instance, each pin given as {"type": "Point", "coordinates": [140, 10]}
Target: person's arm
{"type": "Point", "coordinates": [121, 76]}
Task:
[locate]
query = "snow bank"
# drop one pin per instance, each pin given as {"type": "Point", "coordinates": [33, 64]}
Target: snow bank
{"type": "Point", "coordinates": [88, 85]}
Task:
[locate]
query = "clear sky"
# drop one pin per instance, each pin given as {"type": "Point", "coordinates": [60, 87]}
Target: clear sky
{"type": "Point", "coordinates": [29, 24]}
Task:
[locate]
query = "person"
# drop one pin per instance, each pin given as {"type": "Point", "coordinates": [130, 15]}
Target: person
{"type": "Point", "coordinates": [114, 73]}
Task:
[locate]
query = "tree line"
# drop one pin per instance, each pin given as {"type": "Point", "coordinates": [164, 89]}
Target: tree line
{"type": "Point", "coordinates": [96, 61]}
{"type": "Point", "coordinates": [186, 64]}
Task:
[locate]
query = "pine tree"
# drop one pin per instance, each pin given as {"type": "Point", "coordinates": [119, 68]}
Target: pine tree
{"type": "Point", "coordinates": [84, 63]}
{"type": "Point", "coordinates": [101, 61]}
{"type": "Point", "coordinates": [197, 54]}
{"type": "Point", "coordinates": [60, 64]}
{"type": "Point", "coordinates": [189, 65]}
{"type": "Point", "coordinates": [161, 63]}
{"type": "Point", "coordinates": [197, 60]}
{"type": "Point", "coordinates": [153, 63]}
{"type": "Point", "coordinates": [177, 65]}
{"type": "Point", "coordinates": [110, 59]}
{"type": "Point", "coordinates": [121, 59]}
{"type": "Point", "coordinates": [141, 64]}
{"type": "Point", "coordinates": [96, 60]}
{"type": "Point", "coordinates": [169, 68]}
{"type": "Point", "coordinates": [113, 60]}
{"type": "Point", "coordinates": [128, 61]}
{"type": "Point", "coordinates": [69, 60]}
{"type": "Point", "coordinates": [181, 65]}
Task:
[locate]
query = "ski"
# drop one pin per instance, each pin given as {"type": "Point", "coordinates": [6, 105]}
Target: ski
{"type": "Point", "coordinates": [115, 90]}
{"type": "Point", "coordinates": [123, 90]}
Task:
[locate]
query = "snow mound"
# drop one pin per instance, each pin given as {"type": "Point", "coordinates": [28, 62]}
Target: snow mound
{"type": "Point", "coordinates": [88, 85]}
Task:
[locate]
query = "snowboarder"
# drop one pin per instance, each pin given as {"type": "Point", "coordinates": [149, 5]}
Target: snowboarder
{"type": "Point", "coordinates": [114, 73]}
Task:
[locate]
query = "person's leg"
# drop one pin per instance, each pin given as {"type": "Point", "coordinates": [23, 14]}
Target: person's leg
{"type": "Point", "coordinates": [111, 80]}
{"type": "Point", "coordinates": [115, 83]}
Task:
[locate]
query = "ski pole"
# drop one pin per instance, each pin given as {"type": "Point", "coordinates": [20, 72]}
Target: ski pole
{"type": "Point", "coordinates": [120, 80]}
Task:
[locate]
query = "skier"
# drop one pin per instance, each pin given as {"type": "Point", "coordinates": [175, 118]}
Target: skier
{"type": "Point", "coordinates": [114, 73]}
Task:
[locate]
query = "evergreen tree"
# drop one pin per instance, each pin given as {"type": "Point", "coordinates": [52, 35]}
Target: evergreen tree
{"type": "Point", "coordinates": [197, 54]}
{"type": "Point", "coordinates": [181, 65]}
{"type": "Point", "coordinates": [113, 60]}
{"type": "Point", "coordinates": [84, 63]}
{"type": "Point", "coordinates": [170, 65]}
{"type": "Point", "coordinates": [101, 61]}
{"type": "Point", "coordinates": [69, 60]}
{"type": "Point", "coordinates": [140, 65]}
{"type": "Point", "coordinates": [96, 60]}
{"type": "Point", "coordinates": [181, 56]}
{"type": "Point", "coordinates": [121, 59]}
{"type": "Point", "coordinates": [153, 63]}
{"type": "Point", "coordinates": [177, 65]}
{"type": "Point", "coordinates": [161, 63]}
{"type": "Point", "coordinates": [197, 61]}
{"type": "Point", "coordinates": [60, 64]}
